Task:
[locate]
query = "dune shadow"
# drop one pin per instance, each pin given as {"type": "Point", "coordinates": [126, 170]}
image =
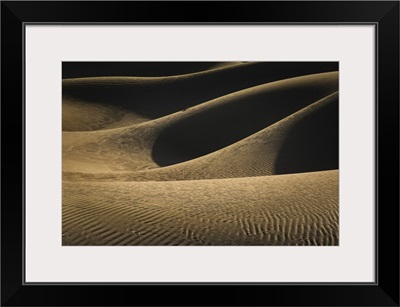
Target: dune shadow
{"type": "Point", "coordinates": [312, 144]}
{"type": "Point", "coordinates": [211, 129]}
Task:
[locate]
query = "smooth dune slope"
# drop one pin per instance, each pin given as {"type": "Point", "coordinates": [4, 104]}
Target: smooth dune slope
{"type": "Point", "coordinates": [212, 154]}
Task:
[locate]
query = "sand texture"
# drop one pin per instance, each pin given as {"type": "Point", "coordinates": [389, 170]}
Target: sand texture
{"type": "Point", "coordinates": [235, 153]}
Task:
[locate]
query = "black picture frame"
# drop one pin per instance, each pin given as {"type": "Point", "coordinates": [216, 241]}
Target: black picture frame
{"type": "Point", "coordinates": [383, 14]}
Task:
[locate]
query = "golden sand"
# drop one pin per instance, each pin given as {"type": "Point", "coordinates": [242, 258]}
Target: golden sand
{"type": "Point", "coordinates": [232, 155]}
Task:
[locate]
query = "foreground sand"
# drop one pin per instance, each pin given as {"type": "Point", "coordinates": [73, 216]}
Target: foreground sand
{"type": "Point", "coordinates": [299, 209]}
{"type": "Point", "coordinates": [253, 161]}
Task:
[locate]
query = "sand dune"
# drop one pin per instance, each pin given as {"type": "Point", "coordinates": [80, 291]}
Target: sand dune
{"type": "Point", "coordinates": [195, 132]}
{"type": "Point", "coordinates": [153, 97]}
{"type": "Point", "coordinates": [221, 154]}
{"type": "Point", "coordinates": [303, 142]}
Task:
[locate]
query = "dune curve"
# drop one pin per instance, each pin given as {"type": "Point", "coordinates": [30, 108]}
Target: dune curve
{"type": "Point", "coordinates": [196, 153]}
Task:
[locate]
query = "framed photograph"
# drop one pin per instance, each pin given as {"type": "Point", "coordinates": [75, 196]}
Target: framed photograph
{"type": "Point", "coordinates": [153, 157]}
